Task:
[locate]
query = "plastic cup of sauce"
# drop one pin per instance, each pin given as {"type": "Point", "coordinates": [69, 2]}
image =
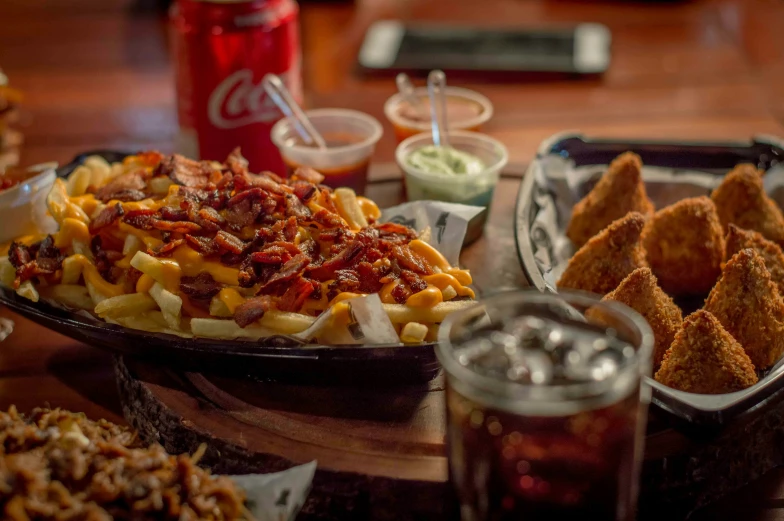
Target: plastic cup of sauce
{"type": "Point", "coordinates": [466, 172]}
{"type": "Point", "coordinates": [351, 138]}
{"type": "Point", "coordinates": [466, 110]}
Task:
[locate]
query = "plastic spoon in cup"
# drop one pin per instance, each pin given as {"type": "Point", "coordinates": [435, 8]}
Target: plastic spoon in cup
{"type": "Point", "coordinates": [406, 89]}
{"type": "Point", "coordinates": [436, 90]}
{"type": "Point", "coordinates": [290, 108]}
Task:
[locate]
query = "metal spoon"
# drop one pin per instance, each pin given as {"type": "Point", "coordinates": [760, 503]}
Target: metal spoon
{"type": "Point", "coordinates": [406, 89]}
{"type": "Point", "coordinates": [436, 90]}
{"type": "Point", "coordinates": [282, 98]}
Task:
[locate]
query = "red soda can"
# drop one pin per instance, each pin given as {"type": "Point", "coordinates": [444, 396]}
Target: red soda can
{"type": "Point", "coordinates": [223, 49]}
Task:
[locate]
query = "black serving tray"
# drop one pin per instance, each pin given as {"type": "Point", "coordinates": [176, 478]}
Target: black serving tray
{"type": "Point", "coordinates": [373, 364]}
{"type": "Point", "coordinates": [716, 158]}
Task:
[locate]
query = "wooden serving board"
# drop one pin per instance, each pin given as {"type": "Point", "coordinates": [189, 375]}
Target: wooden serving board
{"type": "Point", "coordinates": [381, 452]}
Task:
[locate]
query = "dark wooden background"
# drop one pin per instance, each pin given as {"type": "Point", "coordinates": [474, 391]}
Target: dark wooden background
{"type": "Point", "coordinates": [97, 74]}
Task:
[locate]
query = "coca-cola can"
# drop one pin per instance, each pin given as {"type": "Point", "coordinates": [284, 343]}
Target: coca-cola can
{"type": "Point", "coordinates": [223, 49]}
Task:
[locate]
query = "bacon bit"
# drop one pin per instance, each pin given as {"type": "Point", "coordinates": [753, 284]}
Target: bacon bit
{"type": "Point", "coordinates": [203, 245]}
{"type": "Point", "coordinates": [290, 229]}
{"type": "Point", "coordinates": [201, 287]}
{"type": "Point", "coordinates": [249, 274]}
{"type": "Point", "coordinates": [291, 270]}
{"type": "Point", "coordinates": [132, 276]}
{"type": "Point", "coordinates": [141, 219]}
{"type": "Point", "coordinates": [411, 261]}
{"type": "Point", "coordinates": [211, 214]}
{"type": "Point", "coordinates": [122, 188]}
{"type": "Point", "coordinates": [106, 217]}
{"type": "Point", "coordinates": [229, 242]}
{"type": "Point", "coordinates": [296, 295]}
{"type": "Point", "coordinates": [328, 219]}
{"type": "Point", "coordinates": [102, 263]}
{"type": "Point", "coordinates": [251, 310]}
{"type": "Point", "coordinates": [184, 171]}
{"type": "Point", "coordinates": [46, 249]}
{"type": "Point", "coordinates": [369, 278]}
{"type": "Point", "coordinates": [310, 248]}
{"type": "Point", "coordinates": [307, 174]}
{"type": "Point", "coordinates": [261, 181]}
{"type": "Point", "coordinates": [305, 191]}
{"type": "Point", "coordinates": [413, 280]}
{"type": "Point", "coordinates": [167, 213]}
{"type": "Point", "coordinates": [167, 248]}
{"type": "Point", "coordinates": [242, 214]}
{"type": "Point", "coordinates": [149, 158]}
{"type": "Point", "coordinates": [18, 254]}
{"type": "Point", "coordinates": [394, 231]}
{"type": "Point", "coordinates": [295, 208]}
{"type": "Point", "coordinates": [345, 280]}
{"type": "Point", "coordinates": [326, 200]}
{"type": "Point", "coordinates": [237, 164]}
{"type": "Point", "coordinates": [345, 259]}
{"type": "Point", "coordinates": [401, 293]}
{"type": "Point", "coordinates": [253, 193]}
{"type": "Point", "coordinates": [176, 226]}
{"type": "Point", "coordinates": [272, 255]}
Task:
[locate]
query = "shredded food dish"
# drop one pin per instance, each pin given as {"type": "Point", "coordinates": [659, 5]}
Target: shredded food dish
{"type": "Point", "coordinates": [56, 465]}
{"type": "Point", "coordinates": [168, 244]}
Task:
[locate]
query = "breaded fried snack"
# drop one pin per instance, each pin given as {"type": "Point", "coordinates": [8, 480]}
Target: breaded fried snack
{"type": "Point", "coordinates": [748, 305]}
{"type": "Point", "coordinates": [640, 292]}
{"type": "Point", "coordinates": [685, 246]}
{"type": "Point", "coordinates": [741, 200]}
{"type": "Point", "coordinates": [706, 359]}
{"type": "Point", "coordinates": [739, 239]}
{"type": "Point", "coordinates": [604, 261]}
{"type": "Point", "coordinates": [618, 192]}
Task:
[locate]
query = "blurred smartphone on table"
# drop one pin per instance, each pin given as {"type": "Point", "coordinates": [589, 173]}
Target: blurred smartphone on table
{"type": "Point", "coordinates": [390, 46]}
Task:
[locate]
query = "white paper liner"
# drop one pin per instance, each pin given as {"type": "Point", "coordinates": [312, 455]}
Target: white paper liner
{"type": "Point", "coordinates": [279, 496]}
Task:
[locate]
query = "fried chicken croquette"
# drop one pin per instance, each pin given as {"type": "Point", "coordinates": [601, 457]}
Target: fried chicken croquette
{"type": "Point", "coordinates": [685, 246]}
{"type": "Point", "coordinates": [741, 200]}
{"type": "Point", "coordinates": [619, 191]}
{"type": "Point", "coordinates": [704, 358]}
{"type": "Point", "coordinates": [739, 239]}
{"type": "Point", "coordinates": [748, 305]}
{"type": "Point", "coordinates": [640, 292]}
{"type": "Point", "coordinates": [604, 261]}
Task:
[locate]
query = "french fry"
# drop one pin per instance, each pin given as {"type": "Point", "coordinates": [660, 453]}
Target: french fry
{"type": "Point", "coordinates": [72, 295]}
{"type": "Point", "coordinates": [170, 304]}
{"type": "Point", "coordinates": [401, 314]}
{"type": "Point", "coordinates": [166, 274]}
{"type": "Point", "coordinates": [7, 272]}
{"type": "Point", "coordinates": [143, 322]}
{"type": "Point", "coordinates": [413, 333]}
{"type": "Point", "coordinates": [125, 305]}
{"type": "Point", "coordinates": [95, 295]}
{"type": "Point", "coordinates": [28, 291]}
{"type": "Point", "coordinates": [348, 206]}
{"type": "Point", "coordinates": [100, 170]}
{"type": "Point", "coordinates": [448, 293]}
{"type": "Point", "coordinates": [218, 308]}
{"type": "Point", "coordinates": [132, 244]}
{"type": "Point", "coordinates": [60, 206]}
{"type": "Point", "coordinates": [228, 329]}
{"type": "Point", "coordinates": [78, 181]}
{"type": "Point", "coordinates": [286, 322]}
{"type": "Point", "coordinates": [82, 248]}
{"type": "Point", "coordinates": [160, 185]}
{"type": "Point", "coordinates": [72, 269]}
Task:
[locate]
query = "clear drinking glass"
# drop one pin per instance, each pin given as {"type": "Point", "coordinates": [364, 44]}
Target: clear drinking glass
{"type": "Point", "coordinates": [546, 406]}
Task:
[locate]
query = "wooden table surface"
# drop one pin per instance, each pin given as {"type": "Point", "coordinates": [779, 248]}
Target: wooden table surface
{"type": "Point", "coordinates": [97, 74]}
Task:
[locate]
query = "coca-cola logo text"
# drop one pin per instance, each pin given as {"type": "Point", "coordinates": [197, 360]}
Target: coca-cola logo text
{"type": "Point", "coordinates": [237, 101]}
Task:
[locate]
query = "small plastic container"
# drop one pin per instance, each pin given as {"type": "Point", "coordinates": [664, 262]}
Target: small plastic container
{"type": "Point", "coordinates": [466, 110]}
{"type": "Point", "coordinates": [471, 189]}
{"type": "Point", "coordinates": [23, 206]}
{"type": "Point", "coordinates": [351, 138]}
